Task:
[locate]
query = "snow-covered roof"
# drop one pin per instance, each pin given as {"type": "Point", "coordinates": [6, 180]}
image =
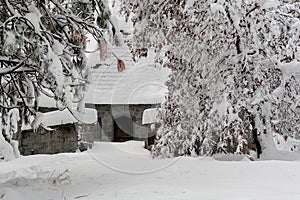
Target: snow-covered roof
{"type": "Point", "coordinates": [139, 83]}
{"type": "Point", "coordinates": [54, 118]}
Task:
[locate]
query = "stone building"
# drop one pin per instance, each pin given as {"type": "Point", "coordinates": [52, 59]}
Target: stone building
{"type": "Point", "coordinates": [124, 126]}
{"type": "Point", "coordinates": [118, 99]}
{"type": "Point", "coordinates": [59, 134]}
{"type": "Point", "coordinates": [62, 138]}
{"type": "Point", "coordinates": [121, 97]}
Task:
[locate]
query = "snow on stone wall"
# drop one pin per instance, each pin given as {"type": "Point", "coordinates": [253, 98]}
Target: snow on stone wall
{"type": "Point", "coordinates": [150, 116]}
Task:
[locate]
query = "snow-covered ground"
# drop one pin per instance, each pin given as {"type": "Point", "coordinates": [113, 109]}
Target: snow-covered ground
{"type": "Point", "coordinates": [127, 171]}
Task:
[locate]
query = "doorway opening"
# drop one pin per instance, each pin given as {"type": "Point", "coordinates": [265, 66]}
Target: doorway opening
{"type": "Point", "coordinates": [123, 129]}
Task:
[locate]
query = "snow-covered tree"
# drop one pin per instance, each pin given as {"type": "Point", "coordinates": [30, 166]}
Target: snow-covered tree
{"type": "Point", "coordinates": [227, 60]}
{"type": "Point", "coordinates": [42, 50]}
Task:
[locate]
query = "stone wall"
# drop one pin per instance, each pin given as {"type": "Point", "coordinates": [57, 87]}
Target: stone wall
{"type": "Point", "coordinates": [107, 114]}
{"type": "Point", "coordinates": [86, 135]}
{"type": "Point", "coordinates": [63, 138]}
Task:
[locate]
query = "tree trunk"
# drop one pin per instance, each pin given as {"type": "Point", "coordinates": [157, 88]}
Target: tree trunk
{"type": "Point", "coordinates": [269, 149]}
{"type": "Point", "coordinates": [6, 150]}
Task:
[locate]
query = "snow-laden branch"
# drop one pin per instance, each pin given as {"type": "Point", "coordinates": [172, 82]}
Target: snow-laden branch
{"type": "Point", "coordinates": [225, 58]}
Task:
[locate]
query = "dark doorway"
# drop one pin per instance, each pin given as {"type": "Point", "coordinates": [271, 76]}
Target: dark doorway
{"type": "Point", "coordinates": [123, 129]}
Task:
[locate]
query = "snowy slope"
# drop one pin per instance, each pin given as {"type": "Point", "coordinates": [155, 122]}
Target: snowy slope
{"type": "Point", "coordinates": [124, 171]}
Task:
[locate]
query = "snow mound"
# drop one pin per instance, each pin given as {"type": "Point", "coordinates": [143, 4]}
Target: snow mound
{"type": "Point", "coordinates": [26, 170]}
{"type": "Point", "coordinates": [280, 155]}
{"type": "Point", "coordinates": [106, 175]}
{"type": "Point", "coordinates": [132, 147]}
{"type": "Point", "coordinates": [132, 157]}
{"type": "Point", "coordinates": [231, 157]}
{"type": "Point", "coordinates": [129, 147]}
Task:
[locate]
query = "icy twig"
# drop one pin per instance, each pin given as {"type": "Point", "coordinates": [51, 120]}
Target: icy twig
{"type": "Point", "coordinates": [81, 196]}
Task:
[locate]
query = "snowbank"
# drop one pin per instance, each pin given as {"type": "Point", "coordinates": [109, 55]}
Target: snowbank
{"type": "Point", "coordinates": [24, 170]}
{"type": "Point", "coordinates": [127, 171]}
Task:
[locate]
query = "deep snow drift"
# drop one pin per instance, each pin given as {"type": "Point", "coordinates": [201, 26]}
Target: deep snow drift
{"type": "Point", "coordinates": [127, 171]}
